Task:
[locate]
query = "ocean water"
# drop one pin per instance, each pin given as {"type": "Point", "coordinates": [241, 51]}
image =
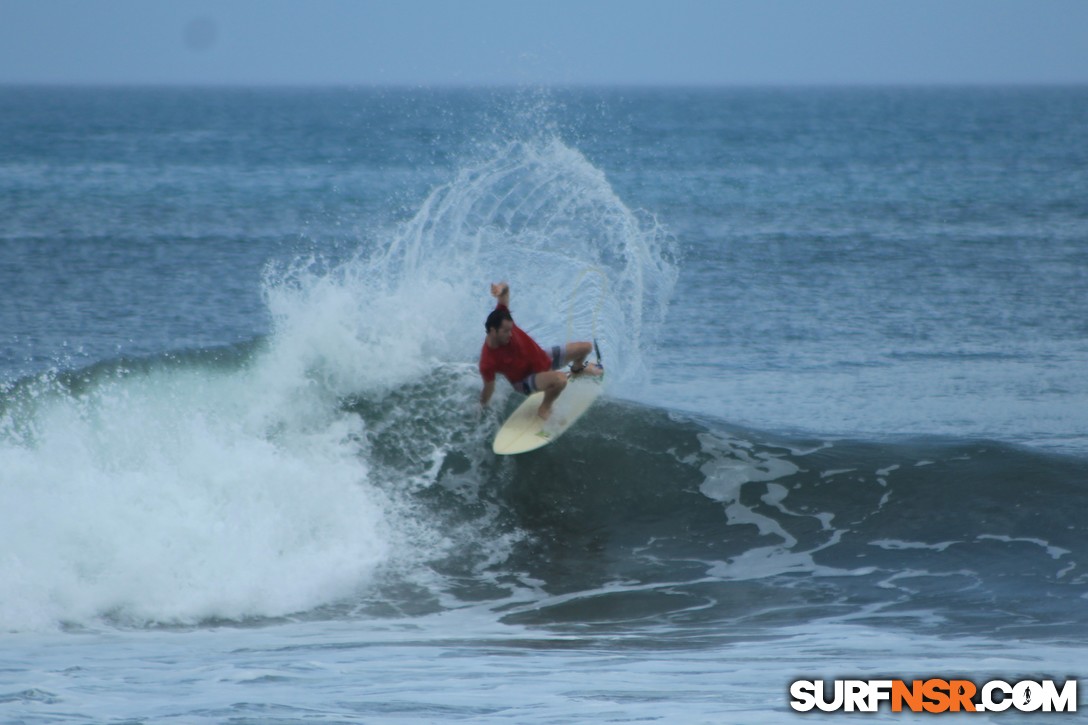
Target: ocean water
{"type": "Point", "coordinates": [244, 477]}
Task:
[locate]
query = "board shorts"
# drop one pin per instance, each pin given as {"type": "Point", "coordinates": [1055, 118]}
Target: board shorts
{"type": "Point", "coordinates": [528, 385]}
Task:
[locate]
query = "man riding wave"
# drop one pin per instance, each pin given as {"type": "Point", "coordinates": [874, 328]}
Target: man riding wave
{"type": "Point", "coordinates": [509, 351]}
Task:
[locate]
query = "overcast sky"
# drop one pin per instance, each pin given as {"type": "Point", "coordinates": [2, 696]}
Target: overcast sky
{"type": "Point", "coordinates": [560, 42]}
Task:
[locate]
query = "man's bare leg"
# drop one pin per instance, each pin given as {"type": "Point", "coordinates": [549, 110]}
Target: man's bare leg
{"type": "Point", "coordinates": [552, 384]}
{"type": "Point", "coordinates": [576, 353]}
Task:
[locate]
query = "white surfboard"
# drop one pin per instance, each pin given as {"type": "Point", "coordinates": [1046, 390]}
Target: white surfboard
{"type": "Point", "coordinates": [525, 431]}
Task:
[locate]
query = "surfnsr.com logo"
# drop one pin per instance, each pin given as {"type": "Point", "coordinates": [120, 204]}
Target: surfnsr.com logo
{"type": "Point", "coordinates": [933, 696]}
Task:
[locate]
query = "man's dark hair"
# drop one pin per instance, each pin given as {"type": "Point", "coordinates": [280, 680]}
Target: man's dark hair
{"type": "Point", "coordinates": [496, 318]}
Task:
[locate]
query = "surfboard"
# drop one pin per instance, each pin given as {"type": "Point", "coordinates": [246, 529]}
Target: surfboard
{"type": "Point", "coordinates": [524, 430]}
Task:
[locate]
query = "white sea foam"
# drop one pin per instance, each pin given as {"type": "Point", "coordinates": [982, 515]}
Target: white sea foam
{"type": "Point", "coordinates": [189, 492]}
{"type": "Point", "coordinates": [181, 496]}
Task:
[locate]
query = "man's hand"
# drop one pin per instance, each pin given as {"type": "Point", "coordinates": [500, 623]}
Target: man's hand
{"type": "Point", "coordinates": [501, 291]}
{"type": "Point", "coordinates": [486, 393]}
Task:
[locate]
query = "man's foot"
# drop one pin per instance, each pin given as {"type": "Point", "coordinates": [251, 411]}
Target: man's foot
{"type": "Point", "coordinates": [591, 369]}
{"type": "Point", "coordinates": [544, 411]}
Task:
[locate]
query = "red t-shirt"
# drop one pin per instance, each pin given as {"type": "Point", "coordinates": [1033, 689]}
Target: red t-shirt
{"type": "Point", "coordinates": [517, 360]}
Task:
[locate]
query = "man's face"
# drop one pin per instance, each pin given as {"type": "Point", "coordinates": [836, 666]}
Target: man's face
{"type": "Point", "coordinates": [501, 335]}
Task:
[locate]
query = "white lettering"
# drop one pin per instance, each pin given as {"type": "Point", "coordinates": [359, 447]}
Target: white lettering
{"type": "Point", "coordinates": [835, 703]}
{"type": "Point", "coordinates": [989, 703]}
{"type": "Point", "coordinates": [1027, 696]}
{"type": "Point", "coordinates": [856, 696]}
{"type": "Point", "coordinates": [880, 691]}
{"type": "Point", "coordinates": [1064, 701]}
{"type": "Point", "coordinates": [803, 693]}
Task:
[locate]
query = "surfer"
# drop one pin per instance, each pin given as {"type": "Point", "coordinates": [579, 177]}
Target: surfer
{"type": "Point", "coordinates": [529, 368]}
